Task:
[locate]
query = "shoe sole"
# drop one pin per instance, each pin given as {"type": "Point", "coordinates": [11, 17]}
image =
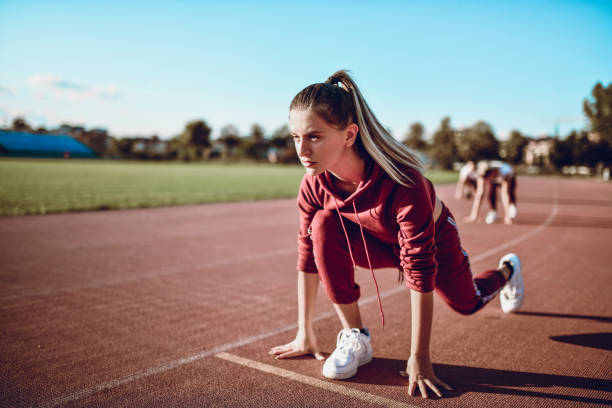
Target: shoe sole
{"type": "Point", "coordinates": [514, 307]}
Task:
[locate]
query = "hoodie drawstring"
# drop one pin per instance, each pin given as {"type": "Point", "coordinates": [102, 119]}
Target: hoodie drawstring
{"type": "Point", "coordinates": [348, 243]}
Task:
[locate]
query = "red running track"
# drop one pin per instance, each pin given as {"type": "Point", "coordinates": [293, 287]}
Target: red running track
{"type": "Point", "coordinates": [178, 307]}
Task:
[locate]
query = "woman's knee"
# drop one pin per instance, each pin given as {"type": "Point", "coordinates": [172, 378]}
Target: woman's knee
{"type": "Point", "coordinates": [470, 310]}
{"type": "Point", "coordinates": [342, 294]}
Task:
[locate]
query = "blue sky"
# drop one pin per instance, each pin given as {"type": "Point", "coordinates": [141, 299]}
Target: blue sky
{"type": "Point", "coordinates": [148, 67]}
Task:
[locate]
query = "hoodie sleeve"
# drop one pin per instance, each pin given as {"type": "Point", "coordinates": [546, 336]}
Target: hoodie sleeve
{"type": "Point", "coordinates": [414, 215]}
{"type": "Point", "coordinates": [308, 206]}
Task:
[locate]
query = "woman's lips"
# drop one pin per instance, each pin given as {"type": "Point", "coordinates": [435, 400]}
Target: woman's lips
{"type": "Point", "coordinates": [308, 163]}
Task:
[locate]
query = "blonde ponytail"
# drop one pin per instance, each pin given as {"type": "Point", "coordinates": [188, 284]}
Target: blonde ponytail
{"type": "Point", "coordinates": [380, 145]}
{"type": "Point", "coordinates": [339, 102]}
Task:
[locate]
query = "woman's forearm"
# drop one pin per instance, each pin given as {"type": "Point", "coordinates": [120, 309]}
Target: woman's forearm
{"type": "Point", "coordinates": [308, 283]}
{"type": "Point", "coordinates": [477, 199]}
{"type": "Point", "coordinates": [459, 188]}
{"type": "Point", "coordinates": [422, 318]}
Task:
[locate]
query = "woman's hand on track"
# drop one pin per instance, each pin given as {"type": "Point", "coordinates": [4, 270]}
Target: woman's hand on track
{"type": "Point", "coordinates": [299, 347]}
{"type": "Point", "coordinates": [420, 373]}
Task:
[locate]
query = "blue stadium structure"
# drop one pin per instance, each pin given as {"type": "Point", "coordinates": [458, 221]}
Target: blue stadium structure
{"type": "Point", "coordinates": [22, 144]}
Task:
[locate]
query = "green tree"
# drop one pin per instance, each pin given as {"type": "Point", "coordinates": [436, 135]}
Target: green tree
{"type": "Point", "coordinates": [124, 147]}
{"type": "Point", "coordinates": [282, 141]}
{"type": "Point", "coordinates": [195, 141]}
{"type": "Point", "coordinates": [443, 149]}
{"type": "Point", "coordinates": [477, 143]}
{"type": "Point", "coordinates": [577, 149]}
{"type": "Point", "coordinates": [281, 138]}
{"type": "Point", "coordinates": [255, 146]}
{"type": "Point", "coordinates": [414, 139]}
{"type": "Point", "coordinates": [514, 147]}
{"type": "Point", "coordinates": [97, 140]}
{"type": "Point", "coordinates": [230, 139]}
{"type": "Point", "coordinates": [599, 111]}
{"type": "Point", "coordinates": [20, 125]}
{"type": "Point", "coordinates": [257, 133]}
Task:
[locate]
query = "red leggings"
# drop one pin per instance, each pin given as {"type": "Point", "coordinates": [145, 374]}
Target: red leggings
{"type": "Point", "coordinates": [454, 281]}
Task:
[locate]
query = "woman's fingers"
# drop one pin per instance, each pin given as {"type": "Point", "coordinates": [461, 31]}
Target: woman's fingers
{"type": "Point", "coordinates": [433, 387]}
{"type": "Point", "coordinates": [289, 350]}
{"type": "Point", "coordinates": [414, 383]}
{"type": "Point", "coordinates": [443, 384]}
{"type": "Point", "coordinates": [281, 349]}
{"type": "Point", "coordinates": [423, 384]}
{"type": "Point", "coordinates": [319, 356]}
{"type": "Point", "coordinates": [423, 388]}
{"type": "Point", "coordinates": [292, 353]}
{"type": "Point", "coordinates": [411, 388]}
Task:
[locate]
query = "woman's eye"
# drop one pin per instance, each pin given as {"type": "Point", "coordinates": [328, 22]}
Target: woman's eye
{"type": "Point", "coordinates": [314, 138]}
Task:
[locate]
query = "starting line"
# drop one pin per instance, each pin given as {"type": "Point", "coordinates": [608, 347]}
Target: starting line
{"type": "Point", "coordinates": [315, 382]}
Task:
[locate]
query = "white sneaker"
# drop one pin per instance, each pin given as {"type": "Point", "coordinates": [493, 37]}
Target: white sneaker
{"type": "Point", "coordinates": [353, 349]}
{"type": "Point", "coordinates": [512, 294]}
{"type": "Point", "coordinates": [512, 211]}
{"type": "Point", "coordinates": [491, 217]}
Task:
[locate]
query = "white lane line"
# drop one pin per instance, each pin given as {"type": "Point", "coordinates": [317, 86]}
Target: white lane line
{"type": "Point", "coordinates": [161, 368]}
{"type": "Point", "coordinates": [315, 382]}
{"type": "Point", "coordinates": [513, 242]}
{"type": "Point", "coordinates": [252, 339]}
{"type": "Point", "coordinates": [190, 359]}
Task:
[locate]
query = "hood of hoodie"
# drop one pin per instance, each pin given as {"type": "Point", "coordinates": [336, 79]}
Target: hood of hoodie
{"type": "Point", "coordinates": [375, 180]}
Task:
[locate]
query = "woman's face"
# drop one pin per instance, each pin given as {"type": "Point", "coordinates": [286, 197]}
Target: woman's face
{"type": "Point", "coordinates": [319, 145]}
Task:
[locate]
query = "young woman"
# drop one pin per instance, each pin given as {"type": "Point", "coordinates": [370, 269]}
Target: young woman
{"type": "Point", "coordinates": [466, 185]}
{"type": "Point", "coordinates": [364, 201]}
{"type": "Point", "coordinates": [497, 176]}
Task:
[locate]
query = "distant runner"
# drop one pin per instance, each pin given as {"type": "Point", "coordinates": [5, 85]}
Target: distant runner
{"type": "Point", "coordinates": [468, 178]}
{"type": "Point", "coordinates": [496, 175]}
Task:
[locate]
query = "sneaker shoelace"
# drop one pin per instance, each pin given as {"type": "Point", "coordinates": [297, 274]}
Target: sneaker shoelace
{"type": "Point", "coordinates": [512, 291]}
{"type": "Point", "coordinates": [348, 341]}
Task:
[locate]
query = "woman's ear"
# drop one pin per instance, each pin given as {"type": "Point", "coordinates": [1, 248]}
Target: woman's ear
{"type": "Point", "coordinates": [351, 134]}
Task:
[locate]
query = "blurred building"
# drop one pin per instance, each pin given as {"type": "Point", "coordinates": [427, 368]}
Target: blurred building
{"type": "Point", "coordinates": [537, 152]}
{"type": "Point", "coordinates": [149, 147]}
{"type": "Point", "coordinates": [26, 144]}
{"type": "Point", "coordinates": [96, 139]}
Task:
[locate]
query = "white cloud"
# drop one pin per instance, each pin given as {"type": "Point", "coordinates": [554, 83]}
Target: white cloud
{"type": "Point", "coordinates": [72, 89]}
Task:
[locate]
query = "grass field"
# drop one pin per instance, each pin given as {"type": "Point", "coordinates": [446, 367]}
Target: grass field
{"type": "Point", "coordinates": [41, 186]}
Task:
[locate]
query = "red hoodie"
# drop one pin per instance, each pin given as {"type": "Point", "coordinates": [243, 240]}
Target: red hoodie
{"type": "Point", "coordinates": [397, 215]}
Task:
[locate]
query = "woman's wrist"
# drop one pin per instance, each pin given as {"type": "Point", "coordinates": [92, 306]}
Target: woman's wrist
{"type": "Point", "coordinates": [305, 330]}
{"type": "Point", "coordinates": [420, 355]}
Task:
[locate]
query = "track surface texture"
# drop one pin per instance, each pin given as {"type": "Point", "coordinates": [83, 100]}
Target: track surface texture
{"type": "Point", "coordinates": [179, 306]}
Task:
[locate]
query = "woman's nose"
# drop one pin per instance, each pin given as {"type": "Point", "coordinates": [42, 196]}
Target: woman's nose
{"type": "Point", "coordinates": [302, 148]}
